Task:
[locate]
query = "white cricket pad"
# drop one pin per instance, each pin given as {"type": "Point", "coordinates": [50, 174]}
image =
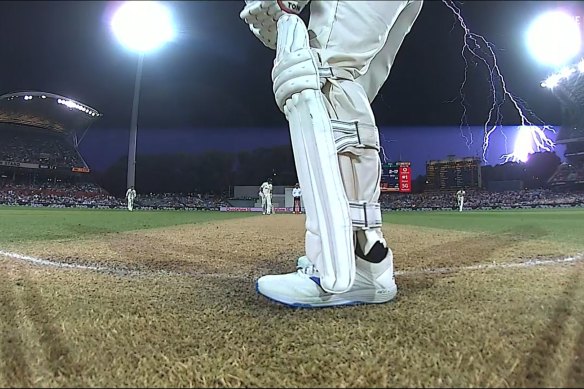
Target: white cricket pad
{"type": "Point", "coordinates": [328, 217]}
{"type": "Point", "coordinates": [365, 215]}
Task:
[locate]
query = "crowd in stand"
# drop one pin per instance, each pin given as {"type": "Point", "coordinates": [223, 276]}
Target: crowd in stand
{"type": "Point", "coordinates": [42, 149]}
{"type": "Point", "coordinates": [188, 201]}
{"type": "Point", "coordinates": [568, 173]}
{"type": "Point", "coordinates": [482, 199]}
{"type": "Point", "coordinates": [90, 195]}
{"type": "Point", "coordinates": [59, 194]}
{"type": "Point", "coordinates": [56, 194]}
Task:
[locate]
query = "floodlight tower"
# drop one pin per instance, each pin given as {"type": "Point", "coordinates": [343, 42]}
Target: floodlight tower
{"type": "Point", "coordinates": [141, 26]}
{"type": "Point", "coordinates": [554, 38]}
{"type": "Point", "coordinates": [567, 81]}
{"type": "Point", "coordinates": [568, 87]}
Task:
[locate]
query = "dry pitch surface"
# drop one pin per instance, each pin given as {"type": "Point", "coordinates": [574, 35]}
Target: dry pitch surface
{"type": "Point", "coordinates": [184, 312]}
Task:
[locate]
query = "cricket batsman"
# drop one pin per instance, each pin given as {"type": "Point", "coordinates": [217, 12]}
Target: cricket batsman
{"type": "Point", "coordinates": [266, 195]}
{"type": "Point", "coordinates": [130, 196]}
{"type": "Point", "coordinates": [325, 76]}
{"type": "Point", "coordinates": [460, 198]}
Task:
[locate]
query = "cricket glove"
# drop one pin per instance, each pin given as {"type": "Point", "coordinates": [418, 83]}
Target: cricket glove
{"type": "Point", "coordinates": [262, 17]}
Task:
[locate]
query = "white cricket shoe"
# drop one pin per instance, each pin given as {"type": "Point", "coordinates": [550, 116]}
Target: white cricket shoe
{"type": "Point", "coordinates": [374, 284]}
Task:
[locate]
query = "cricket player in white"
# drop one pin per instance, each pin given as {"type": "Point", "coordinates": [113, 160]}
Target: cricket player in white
{"type": "Point", "coordinates": [266, 195]}
{"type": "Point", "coordinates": [130, 196]}
{"type": "Point", "coordinates": [296, 196]}
{"type": "Point", "coordinates": [460, 197]}
{"type": "Point", "coordinates": [325, 78]}
{"type": "Point", "coordinates": [263, 200]}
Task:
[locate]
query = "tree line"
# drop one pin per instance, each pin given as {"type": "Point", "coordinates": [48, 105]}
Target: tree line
{"type": "Point", "coordinates": [216, 172]}
{"type": "Point", "coordinates": [212, 172]}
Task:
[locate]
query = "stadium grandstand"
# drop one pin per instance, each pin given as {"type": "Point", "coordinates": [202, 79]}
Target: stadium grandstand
{"type": "Point", "coordinates": [39, 138]}
{"type": "Point", "coordinates": [568, 87]}
{"type": "Point", "coordinates": [40, 165]}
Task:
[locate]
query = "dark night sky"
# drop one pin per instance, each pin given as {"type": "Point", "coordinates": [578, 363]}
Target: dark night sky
{"type": "Point", "coordinates": [212, 87]}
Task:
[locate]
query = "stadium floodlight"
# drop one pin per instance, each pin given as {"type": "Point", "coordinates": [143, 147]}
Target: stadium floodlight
{"type": "Point", "coordinates": [143, 26]}
{"type": "Point", "coordinates": [580, 66]}
{"type": "Point", "coordinates": [565, 74]}
{"type": "Point", "coordinates": [554, 38]}
{"type": "Point", "coordinates": [140, 26]}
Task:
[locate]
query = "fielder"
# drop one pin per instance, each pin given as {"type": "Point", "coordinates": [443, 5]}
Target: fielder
{"type": "Point", "coordinates": [460, 198]}
{"type": "Point", "coordinates": [324, 80]}
{"type": "Point", "coordinates": [130, 196]}
{"type": "Point", "coordinates": [266, 195]}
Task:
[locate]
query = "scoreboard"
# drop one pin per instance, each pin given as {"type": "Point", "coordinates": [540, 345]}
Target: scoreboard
{"type": "Point", "coordinates": [453, 173]}
{"type": "Point", "coordinates": [396, 177]}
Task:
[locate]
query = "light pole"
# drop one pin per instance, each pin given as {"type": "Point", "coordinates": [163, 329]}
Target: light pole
{"type": "Point", "coordinates": [131, 180]}
{"type": "Point", "coordinates": [141, 26]}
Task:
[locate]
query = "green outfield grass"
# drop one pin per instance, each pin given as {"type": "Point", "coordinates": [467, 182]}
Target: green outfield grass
{"type": "Point", "coordinates": [559, 224]}
{"type": "Point", "coordinates": [22, 224]}
{"type": "Point", "coordinates": [18, 224]}
{"type": "Point", "coordinates": [183, 309]}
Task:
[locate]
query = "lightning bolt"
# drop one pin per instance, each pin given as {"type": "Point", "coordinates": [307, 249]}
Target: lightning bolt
{"type": "Point", "coordinates": [505, 139]}
{"type": "Point", "coordinates": [463, 118]}
{"type": "Point", "coordinates": [384, 157]}
{"type": "Point", "coordinates": [482, 51]}
{"type": "Point", "coordinates": [382, 140]}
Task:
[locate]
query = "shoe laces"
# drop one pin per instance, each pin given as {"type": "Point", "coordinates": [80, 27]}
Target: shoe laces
{"type": "Point", "coordinates": [307, 271]}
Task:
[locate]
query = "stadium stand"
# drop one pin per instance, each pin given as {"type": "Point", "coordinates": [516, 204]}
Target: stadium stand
{"type": "Point", "coordinates": [34, 147]}
{"type": "Point", "coordinates": [40, 165]}
{"type": "Point", "coordinates": [482, 199]}
{"type": "Point", "coordinates": [569, 90]}
{"type": "Point", "coordinates": [87, 195]}
{"type": "Point", "coordinates": [39, 135]}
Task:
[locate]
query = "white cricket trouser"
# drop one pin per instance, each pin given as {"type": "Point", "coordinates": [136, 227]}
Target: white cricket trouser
{"type": "Point", "coordinates": [268, 207]}
{"type": "Point", "coordinates": [267, 204]}
{"type": "Point", "coordinates": [361, 38]}
{"type": "Point", "coordinates": [130, 204]}
{"type": "Point", "coordinates": [460, 204]}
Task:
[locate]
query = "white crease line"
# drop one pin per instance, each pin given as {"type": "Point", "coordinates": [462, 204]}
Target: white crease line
{"type": "Point", "coordinates": [46, 262]}
{"type": "Point", "coordinates": [107, 269]}
{"type": "Point", "coordinates": [524, 264]}
{"type": "Point", "coordinates": [443, 270]}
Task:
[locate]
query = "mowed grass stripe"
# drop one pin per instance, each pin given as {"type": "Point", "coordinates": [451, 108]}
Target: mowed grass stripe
{"type": "Point", "coordinates": [561, 225]}
{"type": "Point", "coordinates": [24, 224]}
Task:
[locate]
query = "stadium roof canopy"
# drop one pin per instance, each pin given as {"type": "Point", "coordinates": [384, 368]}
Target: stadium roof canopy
{"type": "Point", "coordinates": [46, 111]}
